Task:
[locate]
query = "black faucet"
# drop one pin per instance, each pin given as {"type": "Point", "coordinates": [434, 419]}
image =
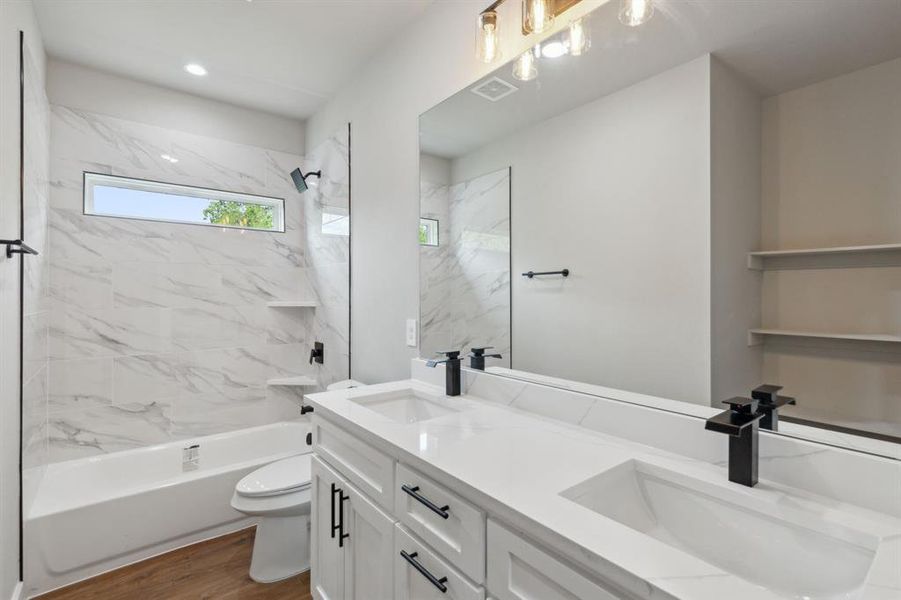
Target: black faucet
{"type": "Point", "coordinates": [741, 423]}
{"type": "Point", "coordinates": [451, 371]}
{"type": "Point", "coordinates": [477, 357]}
{"type": "Point", "coordinates": [768, 402]}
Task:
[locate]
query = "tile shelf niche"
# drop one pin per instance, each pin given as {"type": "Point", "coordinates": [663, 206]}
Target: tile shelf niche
{"type": "Point", "coordinates": [878, 255]}
{"type": "Point", "coordinates": [296, 381]}
{"type": "Point", "coordinates": [292, 304]}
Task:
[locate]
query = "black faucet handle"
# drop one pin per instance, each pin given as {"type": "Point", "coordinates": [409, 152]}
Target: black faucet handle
{"type": "Point", "coordinates": [766, 393]}
{"type": "Point", "coordinates": [745, 406]}
{"type": "Point", "coordinates": [480, 351]}
{"type": "Point", "coordinates": [450, 354]}
{"type": "Point", "coordinates": [742, 413]}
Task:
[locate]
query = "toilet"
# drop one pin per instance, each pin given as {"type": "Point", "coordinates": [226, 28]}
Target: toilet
{"type": "Point", "coordinates": [280, 494]}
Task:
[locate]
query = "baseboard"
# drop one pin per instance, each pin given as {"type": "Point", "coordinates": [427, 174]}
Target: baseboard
{"type": "Point", "coordinates": [17, 592]}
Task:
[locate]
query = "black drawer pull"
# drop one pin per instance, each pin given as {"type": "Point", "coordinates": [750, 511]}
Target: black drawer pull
{"type": "Point", "coordinates": [341, 535]}
{"type": "Point", "coordinates": [438, 583]}
{"type": "Point", "coordinates": [438, 510]}
{"type": "Point", "coordinates": [334, 527]}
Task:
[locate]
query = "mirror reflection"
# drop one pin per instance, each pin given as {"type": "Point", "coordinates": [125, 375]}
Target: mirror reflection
{"type": "Point", "coordinates": [645, 210]}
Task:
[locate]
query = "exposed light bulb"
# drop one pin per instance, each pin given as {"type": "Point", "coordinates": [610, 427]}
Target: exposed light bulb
{"type": "Point", "coordinates": [196, 69]}
{"type": "Point", "coordinates": [553, 50]}
{"type": "Point", "coordinates": [537, 15]}
{"type": "Point", "coordinates": [579, 37]}
{"type": "Point", "coordinates": [524, 69]}
{"type": "Point", "coordinates": [635, 12]}
{"type": "Point", "coordinates": [487, 37]}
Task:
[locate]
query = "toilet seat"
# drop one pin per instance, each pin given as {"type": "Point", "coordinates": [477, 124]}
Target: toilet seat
{"type": "Point", "coordinates": [276, 479]}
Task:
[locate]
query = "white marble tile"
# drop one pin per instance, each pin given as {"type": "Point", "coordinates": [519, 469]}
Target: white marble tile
{"type": "Point", "coordinates": [80, 383]}
{"type": "Point", "coordinates": [77, 333]}
{"type": "Point", "coordinates": [167, 286]}
{"type": "Point", "coordinates": [86, 284]}
{"type": "Point", "coordinates": [216, 327]}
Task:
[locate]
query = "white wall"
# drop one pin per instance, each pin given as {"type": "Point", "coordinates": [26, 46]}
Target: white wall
{"type": "Point", "coordinates": [80, 87]}
{"type": "Point", "coordinates": [735, 117]}
{"type": "Point", "coordinates": [617, 191]}
{"type": "Point", "coordinates": [832, 177]}
{"type": "Point", "coordinates": [14, 16]}
{"type": "Point", "coordinates": [432, 60]}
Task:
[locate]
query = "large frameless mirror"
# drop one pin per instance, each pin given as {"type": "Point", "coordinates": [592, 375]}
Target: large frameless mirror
{"type": "Point", "coordinates": [647, 214]}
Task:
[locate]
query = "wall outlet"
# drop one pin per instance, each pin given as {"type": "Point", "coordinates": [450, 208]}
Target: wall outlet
{"type": "Point", "coordinates": [412, 340]}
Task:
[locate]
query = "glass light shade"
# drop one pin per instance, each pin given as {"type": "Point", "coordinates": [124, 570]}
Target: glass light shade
{"type": "Point", "coordinates": [579, 37]}
{"type": "Point", "coordinates": [487, 37]}
{"type": "Point", "coordinates": [525, 68]}
{"type": "Point", "coordinates": [537, 15]}
{"type": "Point", "coordinates": [635, 12]}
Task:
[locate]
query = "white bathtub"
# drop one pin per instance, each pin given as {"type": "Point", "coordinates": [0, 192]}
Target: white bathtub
{"type": "Point", "coordinates": [95, 514]}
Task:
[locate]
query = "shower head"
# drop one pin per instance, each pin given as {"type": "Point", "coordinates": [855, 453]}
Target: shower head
{"type": "Point", "coordinates": [300, 180]}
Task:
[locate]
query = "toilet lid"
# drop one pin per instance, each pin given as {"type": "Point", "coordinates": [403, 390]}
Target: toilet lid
{"type": "Point", "coordinates": [289, 474]}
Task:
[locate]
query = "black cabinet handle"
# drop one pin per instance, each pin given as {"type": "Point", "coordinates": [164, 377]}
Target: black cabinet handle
{"type": "Point", "coordinates": [341, 535]}
{"type": "Point", "coordinates": [438, 583]}
{"type": "Point", "coordinates": [334, 527]}
{"type": "Point", "coordinates": [438, 510]}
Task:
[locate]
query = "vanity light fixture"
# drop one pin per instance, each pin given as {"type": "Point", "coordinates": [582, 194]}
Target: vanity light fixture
{"type": "Point", "coordinates": [635, 12]}
{"type": "Point", "coordinates": [579, 37]}
{"type": "Point", "coordinates": [488, 37]}
{"type": "Point", "coordinates": [196, 69]}
{"type": "Point", "coordinates": [525, 69]}
{"type": "Point", "coordinates": [537, 15]}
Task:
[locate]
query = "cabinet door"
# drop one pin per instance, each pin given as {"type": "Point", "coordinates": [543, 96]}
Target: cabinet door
{"type": "Point", "coordinates": [368, 552]}
{"type": "Point", "coordinates": [517, 570]}
{"type": "Point", "coordinates": [327, 558]}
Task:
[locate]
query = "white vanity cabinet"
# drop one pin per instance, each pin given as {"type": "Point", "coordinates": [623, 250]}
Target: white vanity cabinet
{"type": "Point", "coordinates": [409, 537]}
{"type": "Point", "coordinates": [519, 570]}
{"type": "Point", "coordinates": [352, 541]}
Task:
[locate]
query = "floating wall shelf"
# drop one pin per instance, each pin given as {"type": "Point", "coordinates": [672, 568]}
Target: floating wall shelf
{"type": "Point", "coordinates": [756, 336]}
{"type": "Point", "coordinates": [292, 304]}
{"type": "Point", "coordinates": [880, 255]}
{"type": "Point", "coordinates": [296, 381]}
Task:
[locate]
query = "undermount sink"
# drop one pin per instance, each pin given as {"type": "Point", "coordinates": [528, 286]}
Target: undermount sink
{"type": "Point", "coordinates": [798, 556]}
{"type": "Point", "coordinates": [406, 406]}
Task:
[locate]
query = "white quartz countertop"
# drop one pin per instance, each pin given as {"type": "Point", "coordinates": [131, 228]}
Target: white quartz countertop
{"type": "Point", "coordinates": [516, 464]}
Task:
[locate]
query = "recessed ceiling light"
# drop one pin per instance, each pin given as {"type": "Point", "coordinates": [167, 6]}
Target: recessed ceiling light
{"type": "Point", "coordinates": [195, 69]}
{"type": "Point", "coordinates": [553, 50]}
{"type": "Point", "coordinates": [171, 159]}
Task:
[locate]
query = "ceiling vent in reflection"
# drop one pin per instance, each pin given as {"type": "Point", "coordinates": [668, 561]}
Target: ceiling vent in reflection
{"type": "Point", "coordinates": [494, 89]}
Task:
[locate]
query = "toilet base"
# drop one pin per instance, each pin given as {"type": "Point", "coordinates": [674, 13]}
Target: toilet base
{"type": "Point", "coordinates": [281, 548]}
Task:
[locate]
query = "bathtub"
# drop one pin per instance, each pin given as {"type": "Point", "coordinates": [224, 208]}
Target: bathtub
{"type": "Point", "coordinates": [91, 515]}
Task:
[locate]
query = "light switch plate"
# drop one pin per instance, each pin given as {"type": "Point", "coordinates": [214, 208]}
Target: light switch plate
{"type": "Point", "coordinates": [411, 333]}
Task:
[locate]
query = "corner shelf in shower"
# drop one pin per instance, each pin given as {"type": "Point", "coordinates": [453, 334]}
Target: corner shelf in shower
{"type": "Point", "coordinates": [292, 304]}
{"type": "Point", "coordinates": [296, 381]}
{"type": "Point", "coordinates": [877, 255]}
{"type": "Point", "coordinates": [757, 336]}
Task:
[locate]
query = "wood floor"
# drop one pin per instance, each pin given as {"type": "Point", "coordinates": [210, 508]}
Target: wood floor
{"type": "Point", "coordinates": [211, 570]}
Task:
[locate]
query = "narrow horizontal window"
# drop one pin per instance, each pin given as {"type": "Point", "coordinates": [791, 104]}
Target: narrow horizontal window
{"type": "Point", "coordinates": [111, 196]}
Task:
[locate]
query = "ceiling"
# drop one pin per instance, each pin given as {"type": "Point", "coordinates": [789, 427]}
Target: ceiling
{"type": "Point", "coordinates": [775, 45]}
{"type": "Point", "coordinates": [285, 57]}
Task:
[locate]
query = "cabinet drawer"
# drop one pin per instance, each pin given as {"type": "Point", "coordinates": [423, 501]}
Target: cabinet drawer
{"type": "Point", "coordinates": [411, 584]}
{"type": "Point", "coordinates": [422, 505]}
{"type": "Point", "coordinates": [364, 466]}
{"type": "Point", "coordinates": [519, 570]}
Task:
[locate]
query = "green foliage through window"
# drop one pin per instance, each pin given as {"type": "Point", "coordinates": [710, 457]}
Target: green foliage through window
{"type": "Point", "coordinates": [229, 212]}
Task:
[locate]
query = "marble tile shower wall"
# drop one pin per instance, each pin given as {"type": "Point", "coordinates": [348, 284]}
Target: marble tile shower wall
{"type": "Point", "coordinates": [36, 308]}
{"type": "Point", "coordinates": [465, 280]}
{"type": "Point", "coordinates": [161, 331]}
